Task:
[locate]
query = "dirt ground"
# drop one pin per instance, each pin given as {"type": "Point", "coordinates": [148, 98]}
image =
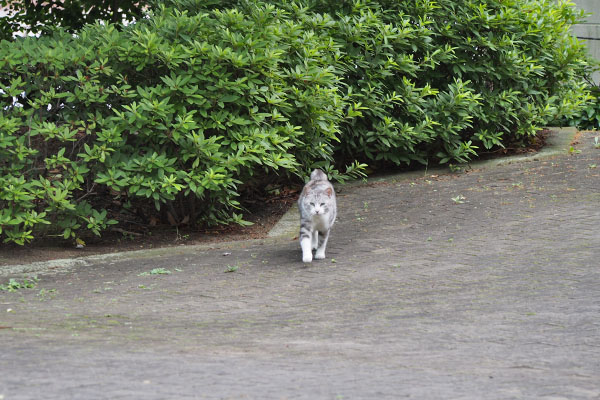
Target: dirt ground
{"type": "Point", "coordinates": [119, 239]}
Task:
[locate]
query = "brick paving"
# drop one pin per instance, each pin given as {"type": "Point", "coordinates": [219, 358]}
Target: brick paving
{"type": "Point", "coordinates": [480, 285]}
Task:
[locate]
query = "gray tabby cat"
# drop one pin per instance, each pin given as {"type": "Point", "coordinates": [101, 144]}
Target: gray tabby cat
{"type": "Point", "coordinates": [317, 215]}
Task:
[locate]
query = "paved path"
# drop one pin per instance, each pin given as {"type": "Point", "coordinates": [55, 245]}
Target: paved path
{"type": "Point", "coordinates": [484, 285]}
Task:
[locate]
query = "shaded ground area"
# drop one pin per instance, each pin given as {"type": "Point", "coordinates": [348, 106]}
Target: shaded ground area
{"type": "Point", "coordinates": [139, 236]}
{"type": "Point", "coordinates": [477, 285]}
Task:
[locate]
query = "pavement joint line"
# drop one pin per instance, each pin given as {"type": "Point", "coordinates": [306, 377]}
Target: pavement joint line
{"type": "Point", "coordinates": [558, 143]}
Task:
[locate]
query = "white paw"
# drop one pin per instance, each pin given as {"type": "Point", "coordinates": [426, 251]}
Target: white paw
{"type": "Point", "coordinates": [307, 258]}
{"type": "Point", "coordinates": [319, 255]}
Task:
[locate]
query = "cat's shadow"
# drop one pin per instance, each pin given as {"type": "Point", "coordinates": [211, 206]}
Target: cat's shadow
{"type": "Point", "coordinates": [289, 256]}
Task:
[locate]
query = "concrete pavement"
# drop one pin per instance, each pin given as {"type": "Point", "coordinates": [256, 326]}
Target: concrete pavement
{"type": "Point", "coordinates": [480, 285]}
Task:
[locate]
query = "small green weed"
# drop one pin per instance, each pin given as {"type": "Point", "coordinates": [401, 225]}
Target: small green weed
{"type": "Point", "coordinates": [573, 151]}
{"type": "Point", "coordinates": [457, 167]}
{"type": "Point", "coordinates": [156, 271]}
{"type": "Point", "coordinates": [597, 142]}
{"type": "Point", "coordinates": [46, 294]}
{"type": "Point", "coordinates": [459, 199]}
{"type": "Point", "coordinates": [144, 287]}
{"type": "Point", "coordinates": [13, 285]}
{"type": "Point", "coordinates": [232, 268]}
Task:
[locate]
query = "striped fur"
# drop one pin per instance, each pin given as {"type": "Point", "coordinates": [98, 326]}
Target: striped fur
{"type": "Point", "coordinates": [317, 214]}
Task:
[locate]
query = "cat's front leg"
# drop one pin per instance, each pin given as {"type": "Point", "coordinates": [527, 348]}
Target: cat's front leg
{"type": "Point", "coordinates": [306, 245]}
{"type": "Point", "coordinates": [320, 254]}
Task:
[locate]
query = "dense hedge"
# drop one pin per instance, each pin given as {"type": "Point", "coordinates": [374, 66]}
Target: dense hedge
{"type": "Point", "coordinates": [200, 99]}
{"type": "Point", "coordinates": [441, 81]}
{"type": "Point", "coordinates": [587, 117]}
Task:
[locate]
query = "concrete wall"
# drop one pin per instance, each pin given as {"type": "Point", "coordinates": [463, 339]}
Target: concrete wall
{"type": "Point", "coordinates": [590, 30]}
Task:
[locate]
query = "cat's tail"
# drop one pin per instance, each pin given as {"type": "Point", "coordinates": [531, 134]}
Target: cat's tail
{"type": "Point", "coordinates": [318, 175]}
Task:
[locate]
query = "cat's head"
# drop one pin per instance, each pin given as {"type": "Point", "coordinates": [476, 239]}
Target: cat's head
{"type": "Point", "coordinates": [318, 202]}
{"type": "Point", "coordinates": [318, 175]}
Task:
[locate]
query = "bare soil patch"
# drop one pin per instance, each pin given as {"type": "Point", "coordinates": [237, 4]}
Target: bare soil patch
{"type": "Point", "coordinates": [139, 235]}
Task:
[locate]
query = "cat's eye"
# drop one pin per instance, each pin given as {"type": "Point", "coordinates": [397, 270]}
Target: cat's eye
{"type": "Point", "coordinates": [312, 204]}
{"type": "Point", "coordinates": [322, 204]}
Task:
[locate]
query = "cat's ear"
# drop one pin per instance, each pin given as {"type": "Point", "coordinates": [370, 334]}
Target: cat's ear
{"type": "Point", "coordinates": [329, 192]}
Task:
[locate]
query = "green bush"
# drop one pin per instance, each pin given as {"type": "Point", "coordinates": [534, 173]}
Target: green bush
{"type": "Point", "coordinates": [204, 99]}
{"type": "Point", "coordinates": [588, 116]}
{"type": "Point", "coordinates": [441, 81]}
{"type": "Point", "coordinates": [178, 110]}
